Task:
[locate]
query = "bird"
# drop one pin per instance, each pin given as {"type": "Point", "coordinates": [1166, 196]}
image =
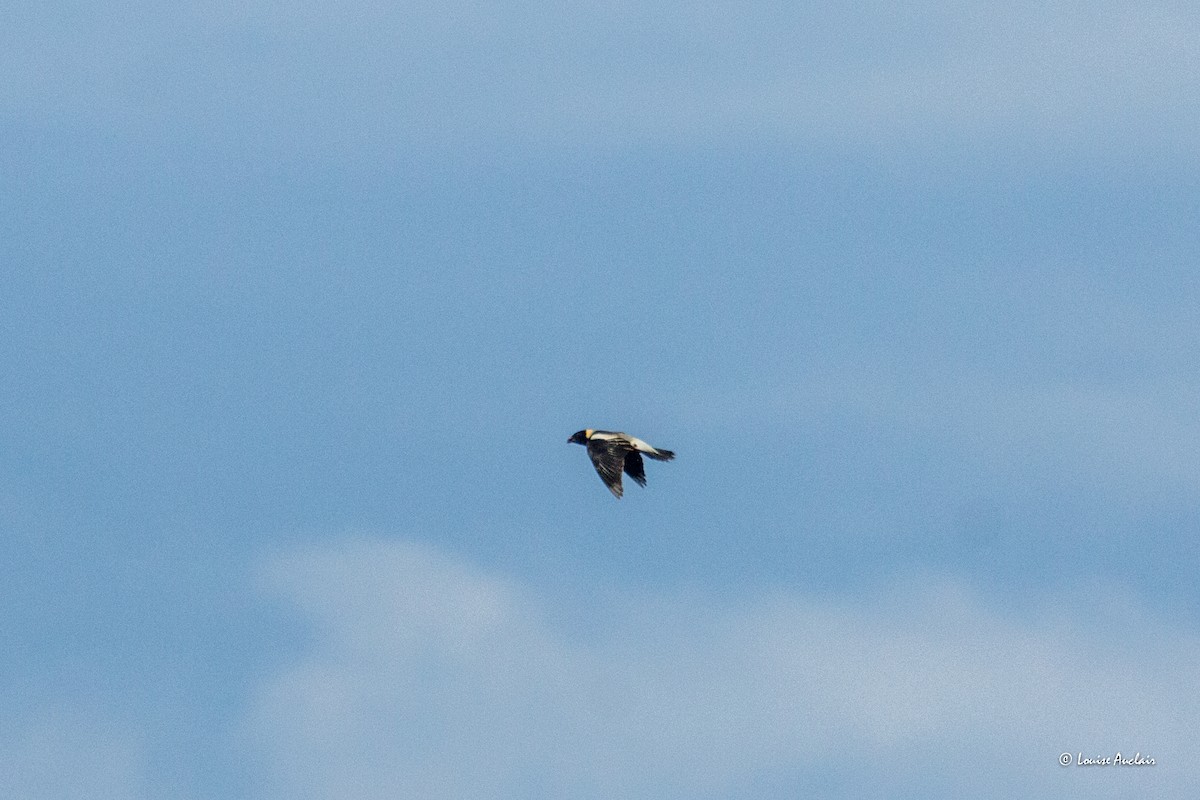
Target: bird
{"type": "Point", "coordinates": [611, 452]}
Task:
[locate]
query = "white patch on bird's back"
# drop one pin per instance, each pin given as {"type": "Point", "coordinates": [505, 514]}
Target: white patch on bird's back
{"type": "Point", "coordinates": [638, 444]}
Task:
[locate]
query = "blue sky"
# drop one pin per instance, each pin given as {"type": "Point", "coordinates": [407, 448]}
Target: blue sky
{"type": "Point", "coordinates": [301, 302]}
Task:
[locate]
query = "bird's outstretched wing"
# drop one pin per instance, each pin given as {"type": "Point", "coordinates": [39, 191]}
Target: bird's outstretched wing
{"type": "Point", "coordinates": [634, 467]}
{"type": "Point", "coordinates": [608, 457]}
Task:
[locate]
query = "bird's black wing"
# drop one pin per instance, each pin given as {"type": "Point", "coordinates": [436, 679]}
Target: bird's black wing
{"type": "Point", "coordinates": [608, 457]}
{"type": "Point", "coordinates": [634, 467]}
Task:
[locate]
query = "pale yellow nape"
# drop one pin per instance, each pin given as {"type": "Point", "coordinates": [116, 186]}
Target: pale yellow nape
{"type": "Point", "coordinates": [587, 434]}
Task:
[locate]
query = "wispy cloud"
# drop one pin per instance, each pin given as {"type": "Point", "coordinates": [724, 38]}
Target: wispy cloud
{"type": "Point", "coordinates": [371, 75]}
{"type": "Point", "coordinates": [61, 753]}
{"type": "Point", "coordinates": [429, 677]}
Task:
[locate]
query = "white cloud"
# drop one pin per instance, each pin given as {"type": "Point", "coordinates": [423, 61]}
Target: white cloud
{"type": "Point", "coordinates": [429, 678]}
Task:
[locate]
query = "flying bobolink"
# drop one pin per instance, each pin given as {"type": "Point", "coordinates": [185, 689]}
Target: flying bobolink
{"type": "Point", "coordinates": [612, 453]}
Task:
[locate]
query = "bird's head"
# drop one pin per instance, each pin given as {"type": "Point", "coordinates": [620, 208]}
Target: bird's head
{"type": "Point", "coordinates": [579, 437]}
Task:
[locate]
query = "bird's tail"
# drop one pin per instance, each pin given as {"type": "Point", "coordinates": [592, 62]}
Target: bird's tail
{"type": "Point", "coordinates": [659, 454]}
